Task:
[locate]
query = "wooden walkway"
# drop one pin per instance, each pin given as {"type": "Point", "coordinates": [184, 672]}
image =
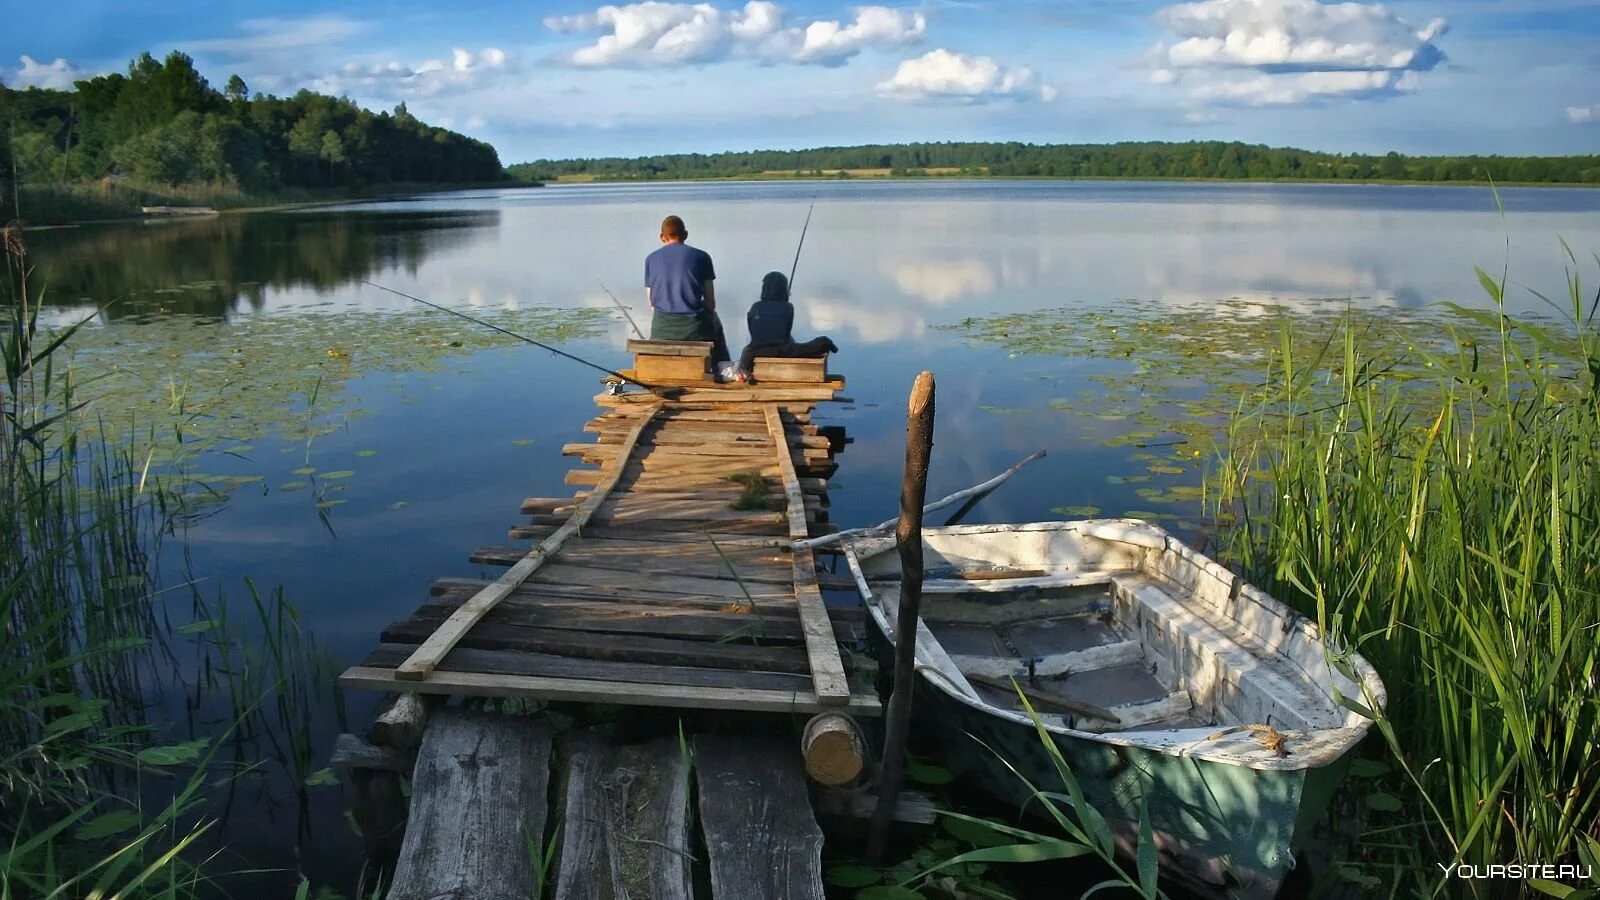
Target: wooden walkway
{"type": "Point", "coordinates": [665, 580]}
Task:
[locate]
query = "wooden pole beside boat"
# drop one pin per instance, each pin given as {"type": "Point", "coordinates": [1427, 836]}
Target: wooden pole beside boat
{"type": "Point", "coordinates": [908, 540]}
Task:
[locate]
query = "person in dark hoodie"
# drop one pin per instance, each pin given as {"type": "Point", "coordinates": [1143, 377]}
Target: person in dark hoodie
{"type": "Point", "coordinates": [771, 321]}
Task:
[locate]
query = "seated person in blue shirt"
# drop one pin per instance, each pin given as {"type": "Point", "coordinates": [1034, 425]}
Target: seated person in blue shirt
{"type": "Point", "coordinates": [679, 283]}
{"type": "Point", "coordinates": [771, 321]}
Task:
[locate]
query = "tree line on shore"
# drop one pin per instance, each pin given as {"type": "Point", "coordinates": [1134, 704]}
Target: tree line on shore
{"type": "Point", "coordinates": [1196, 159]}
{"type": "Point", "coordinates": [163, 125]}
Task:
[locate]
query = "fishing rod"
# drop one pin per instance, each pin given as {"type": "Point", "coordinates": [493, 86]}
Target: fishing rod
{"type": "Point", "coordinates": [624, 311]}
{"type": "Point", "coordinates": [801, 245]}
{"type": "Point", "coordinates": [666, 393]}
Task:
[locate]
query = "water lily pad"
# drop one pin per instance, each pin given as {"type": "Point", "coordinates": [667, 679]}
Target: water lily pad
{"type": "Point", "coordinates": [366, 453]}
{"type": "Point", "coordinates": [1076, 511]}
{"type": "Point", "coordinates": [851, 875]}
{"type": "Point", "coordinates": [334, 476]}
{"type": "Point", "coordinates": [293, 486]}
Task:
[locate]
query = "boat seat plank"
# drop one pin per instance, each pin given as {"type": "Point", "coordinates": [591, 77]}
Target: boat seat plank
{"type": "Point", "coordinates": [1117, 653]}
{"type": "Point", "coordinates": [1251, 688]}
{"type": "Point", "coordinates": [625, 832]}
{"type": "Point", "coordinates": [1081, 578]}
{"type": "Point", "coordinates": [762, 838]}
{"type": "Point", "coordinates": [478, 801]}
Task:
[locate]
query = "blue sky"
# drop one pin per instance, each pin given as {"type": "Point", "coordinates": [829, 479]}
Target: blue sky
{"type": "Point", "coordinates": [579, 78]}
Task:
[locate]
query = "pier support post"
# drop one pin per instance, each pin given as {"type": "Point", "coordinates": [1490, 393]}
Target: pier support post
{"type": "Point", "coordinates": [908, 540]}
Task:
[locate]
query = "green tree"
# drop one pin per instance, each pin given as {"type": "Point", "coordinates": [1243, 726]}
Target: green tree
{"type": "Point", "coordinates": [332, 151]}
{"type": "Point", "coordinates": [236, 91]}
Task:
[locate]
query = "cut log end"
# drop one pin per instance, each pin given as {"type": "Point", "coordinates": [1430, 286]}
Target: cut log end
{"type": "Point", "coordinates": [834, 749]}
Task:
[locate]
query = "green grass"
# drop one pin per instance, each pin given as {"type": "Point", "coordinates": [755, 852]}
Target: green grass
{"type": "Point", "coordinates": [1440, 511]}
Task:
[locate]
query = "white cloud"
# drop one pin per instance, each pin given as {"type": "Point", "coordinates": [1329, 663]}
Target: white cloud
{"type": "Point", "coordinates": [464, 70]}
{"type": "Point", "coordinates": [1577, 114]}
{"type": "Point", "coordinates": [942, 74]}
{"type": "Point", "coordinates": [655, 33]}
{"type": "Point", "coordinates": [1302, 87]}
{"type": "Point", "coordinates": [1282, 52]}
{"type": "Point", "coordinates": [277, 35]}
{"type": "Point", "coordinates": [58, 75]}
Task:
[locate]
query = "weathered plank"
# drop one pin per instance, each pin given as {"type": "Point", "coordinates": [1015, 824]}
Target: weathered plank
{"type": "Point", "coordinates": [508, 662]}
{"type": "Point", "coordinates": [635, 477]}
{"type": "Point", "coordinates": [574, 690]}
{"type": "Point", "coordinates": [762, 840]}
{"type": "Point", "coordinates": [650, 649]}
{"type": "Point", "coordinates": [623, 618]}
{"type": "Point", "coordinates": [432, 650]}
{"type": "Point", "coordinates": [712, 393]}
{"type": "Point", "coordinates": [700, 349]}
{"type": "Point", "coordinates": [772, 368]}
{"type": "Point", "coordinates": [671, 369]}
{"type": "Point", "coordinates": [748, 571]}
{"type": "Point", "coordinates": [400, 725]}
{"type": "Point", "coordinates": [827, 670]}
{"type": "Point", "coordinates": [723, 538]}
{"type": "Point", "coordinates": [563, 573]}
{"type": "Point", "coordinates": [626, 830]}
{"type": "Point", "coordinates": [478, 799]}
{"type": "Point", "coordinates": [848, 620]}
{"type": "Point", "coordinates": [371, 779]}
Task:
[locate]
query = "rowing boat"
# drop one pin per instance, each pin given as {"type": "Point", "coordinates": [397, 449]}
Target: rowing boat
{"type": "Point", "coordinates": [1166, 682]}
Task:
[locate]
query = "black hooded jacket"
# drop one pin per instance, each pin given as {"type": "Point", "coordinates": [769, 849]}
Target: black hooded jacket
{"type": "Point", "coordinates": [771, 319]}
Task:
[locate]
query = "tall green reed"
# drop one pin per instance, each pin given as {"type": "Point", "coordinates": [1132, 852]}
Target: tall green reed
{"type": "Point", "coordinates": [91, 803]}
{"type": "Point", "coordinates": [1440, 512]}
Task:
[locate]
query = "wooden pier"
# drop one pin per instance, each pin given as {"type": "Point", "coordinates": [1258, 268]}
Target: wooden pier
{"type": "Point", "coordinates": [665, 580]}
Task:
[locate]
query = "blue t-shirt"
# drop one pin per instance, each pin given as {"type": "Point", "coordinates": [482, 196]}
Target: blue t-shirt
{"type": "Point", "coordinates": [676, 275]}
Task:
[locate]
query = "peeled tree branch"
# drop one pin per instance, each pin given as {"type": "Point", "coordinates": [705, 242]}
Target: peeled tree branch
{"type": "Point", "coordinates": [974, 493]}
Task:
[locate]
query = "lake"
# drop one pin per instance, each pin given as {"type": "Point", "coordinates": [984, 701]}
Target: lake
{"type": "Point", "coordinates": [351, 446]}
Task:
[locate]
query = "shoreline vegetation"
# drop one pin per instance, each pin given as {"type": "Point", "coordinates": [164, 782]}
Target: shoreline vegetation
{"type": "Point", "coordinates": [97, 203]}
{"type": "Point", "coordinates": [161, 135]}
{"type": "Point", "coordinates": [1422, 486]}
{"type": "Point", "coordinates": [1128, 161]}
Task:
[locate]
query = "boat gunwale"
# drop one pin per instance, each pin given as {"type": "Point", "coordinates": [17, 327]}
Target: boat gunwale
{"type": "Point", "coordinates": [1191, 742]}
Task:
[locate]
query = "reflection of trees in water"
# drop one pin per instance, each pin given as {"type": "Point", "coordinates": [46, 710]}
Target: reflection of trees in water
{"type": "Point", "coordinates": [218, 265]}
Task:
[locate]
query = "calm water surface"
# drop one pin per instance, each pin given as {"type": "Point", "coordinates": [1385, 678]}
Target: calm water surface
{"type": "Point", "coordinates": [440, 454]}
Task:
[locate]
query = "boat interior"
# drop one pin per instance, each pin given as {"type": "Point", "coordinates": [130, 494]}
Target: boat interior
{"type": "Point", "coordinates": [1112, 627]}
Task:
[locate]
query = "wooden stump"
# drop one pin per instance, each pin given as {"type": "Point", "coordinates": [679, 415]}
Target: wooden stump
{"type": "Point", "coordinates": [478, 800]}
{"type": "Point", "coordinates": [834, 749]}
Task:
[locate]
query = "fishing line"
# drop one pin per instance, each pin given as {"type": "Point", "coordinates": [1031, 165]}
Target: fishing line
{"type": "Point", "coordinates": [660, 391]}
{"type": "Point", "coordinates": [624, 311]}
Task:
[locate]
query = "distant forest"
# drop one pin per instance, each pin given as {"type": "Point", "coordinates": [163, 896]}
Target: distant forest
{"type": "Point", "coordinates": [162, 125]}
{"type": "Point", "coordinates": [1199, 159]}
